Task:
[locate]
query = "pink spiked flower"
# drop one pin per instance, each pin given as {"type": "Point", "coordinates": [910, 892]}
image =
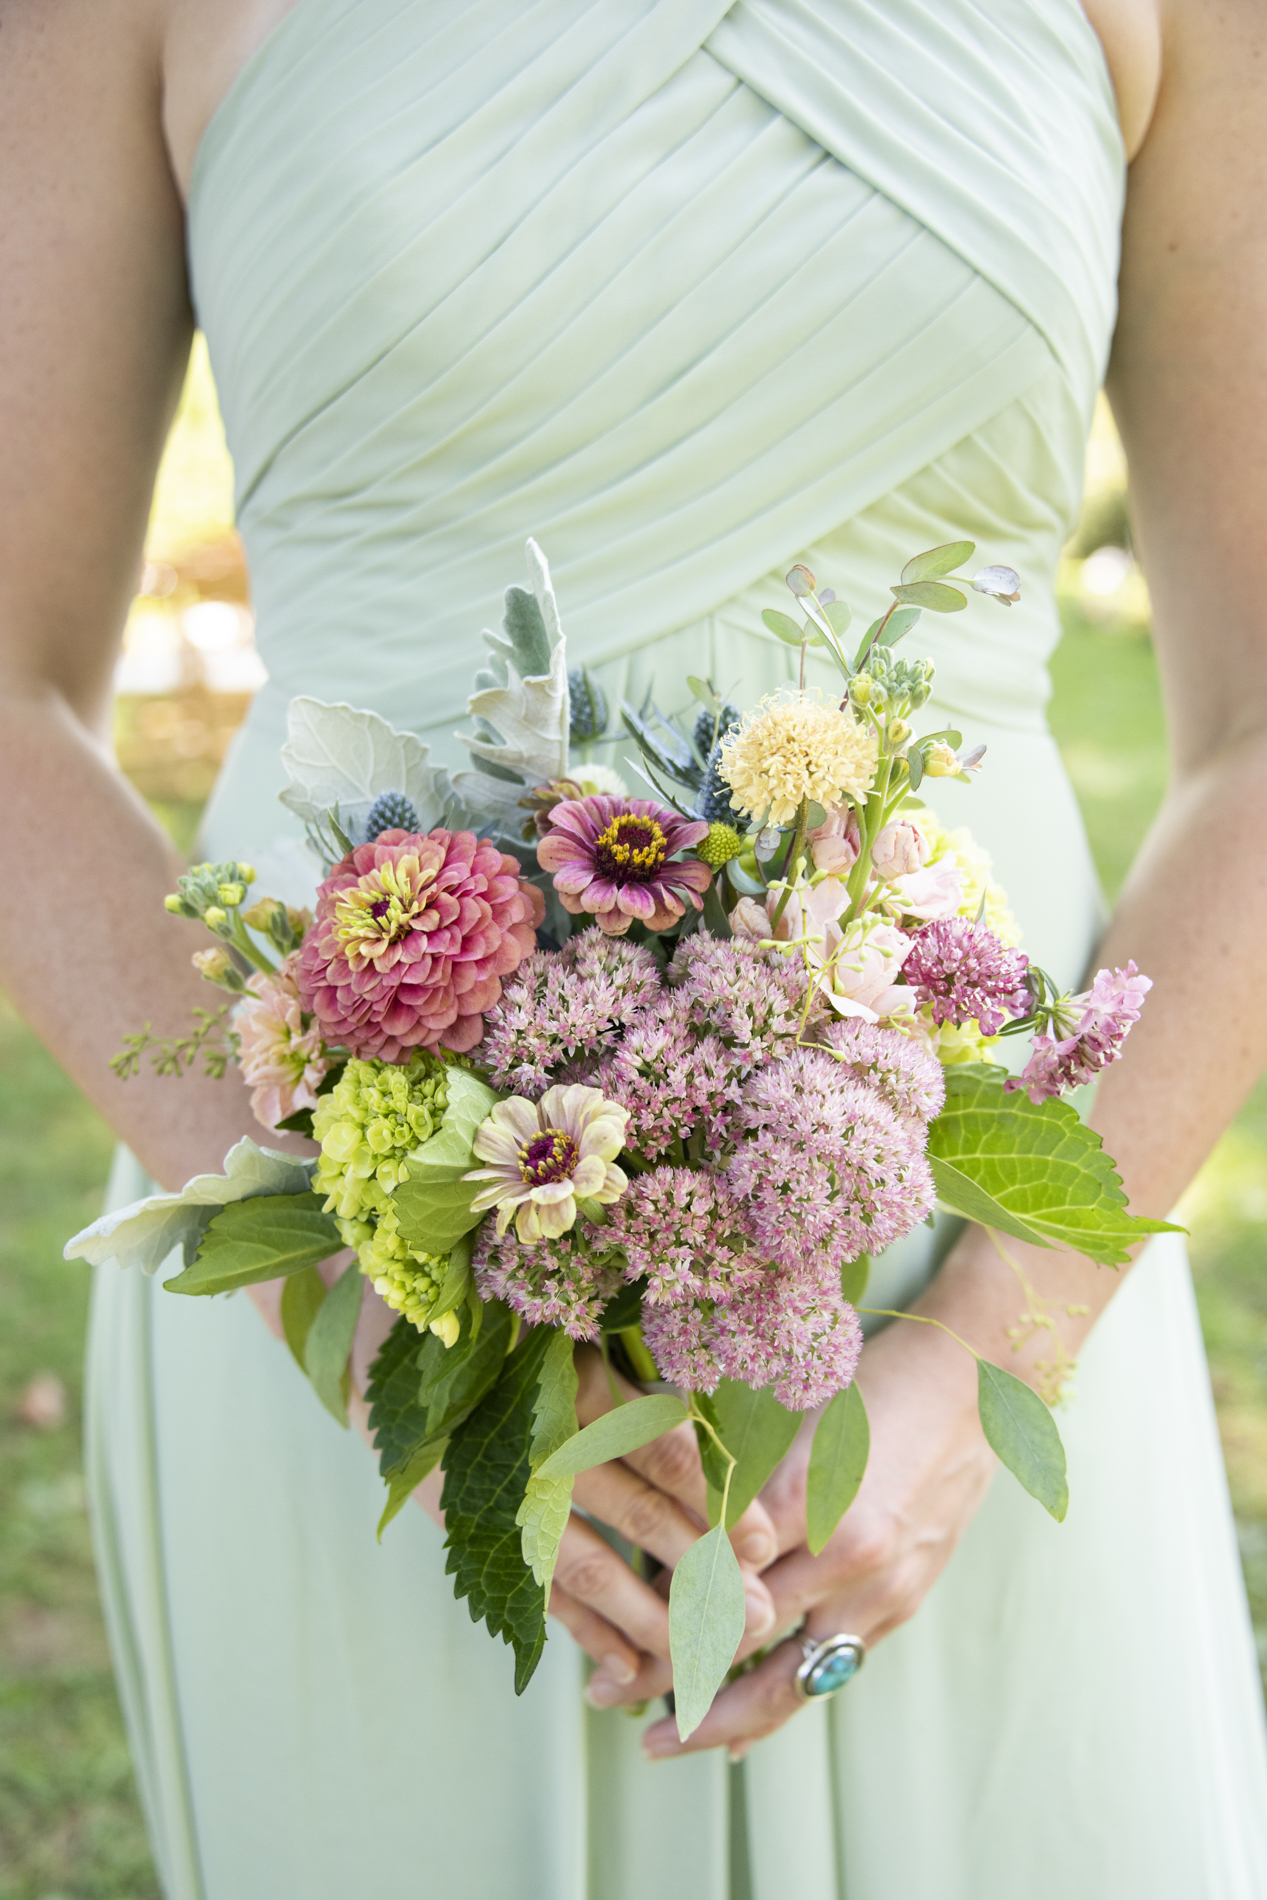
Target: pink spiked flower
{"type": "Point", "coordinates": [612, 859]}
{"type": "Point", "coordinates": [967, 974]}
{"type": "Point", "coordinates": [412, 937]}
{"type": "Point", "coordinates": [1107, 1011]}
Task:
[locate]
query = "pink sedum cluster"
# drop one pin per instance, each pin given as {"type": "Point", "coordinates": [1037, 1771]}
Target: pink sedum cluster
{"type": "Point", "coordinates": [280, 1051]}
{"type": "Point", "coordinates": [413, 935]}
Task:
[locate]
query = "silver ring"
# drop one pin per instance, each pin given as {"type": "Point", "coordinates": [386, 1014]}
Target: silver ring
{"type": "Point", "coordinates": [828, 1665]}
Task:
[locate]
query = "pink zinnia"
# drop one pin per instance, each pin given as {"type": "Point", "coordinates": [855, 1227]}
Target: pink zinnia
{"type": "Point", "coordinates": [281, 1055]}
{"type": "Point", "coordinates": [967, 974]}
{"type": "Point", "coordinates": [1107, 1011]}
{"type": "Point", "coordinates": [412, 938]}
{"type": "Point", "coordinates": [611, 859]}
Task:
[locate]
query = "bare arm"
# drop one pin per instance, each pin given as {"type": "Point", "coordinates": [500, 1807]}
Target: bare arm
{"type": "Point", "coordinates": [1189, 387]}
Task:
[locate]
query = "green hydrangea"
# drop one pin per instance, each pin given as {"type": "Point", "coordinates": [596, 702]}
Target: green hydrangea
{"type": "Point", "coordinates": [376, 1115]}
{"type": "Point", "coordinates": [408, 1280]}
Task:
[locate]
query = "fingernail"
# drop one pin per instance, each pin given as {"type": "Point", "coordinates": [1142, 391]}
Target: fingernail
{"type": "Point", "coordinates": [758, 1615]}
{"type": "Point", "coordinates": [658, 1747]}
{"type": "Point", "coordinates": [619, 1670]}
{"type": "Point", "coordinates": [600, 1691]}
{"type": "Point", "coordinates": [757, 1548]}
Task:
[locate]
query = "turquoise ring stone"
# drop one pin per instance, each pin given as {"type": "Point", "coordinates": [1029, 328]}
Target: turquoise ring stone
{"type": "Point", "coordinates": [828, 1665]}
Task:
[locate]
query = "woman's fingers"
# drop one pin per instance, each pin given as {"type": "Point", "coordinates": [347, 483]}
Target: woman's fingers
{"type": "Point", "coordinates": [753, 1706]}
{"type": "Point", "coordinates": [618, 1661]}
{"type": "Point", "coordinates": [605, 1690]}
{"type": "Point", "coordinates": [590, 1571]}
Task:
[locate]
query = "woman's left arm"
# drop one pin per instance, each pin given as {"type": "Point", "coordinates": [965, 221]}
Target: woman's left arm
{"type": "Point", "coordinates": [1188, 383]}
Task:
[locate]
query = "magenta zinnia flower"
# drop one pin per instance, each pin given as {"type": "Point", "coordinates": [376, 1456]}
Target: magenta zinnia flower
{"type": "Point", "coordinates": [1103, 1019]}
{"type": "Point", "coordinates": [612, 859]}
{"type": "Point", "coordinates": [967, 974]}
{"type": "Point", "coordinates": [412, 938]}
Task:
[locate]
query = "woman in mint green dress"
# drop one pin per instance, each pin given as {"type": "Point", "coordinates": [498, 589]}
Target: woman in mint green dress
{"type": "Point", "coordinates": [687, 291]}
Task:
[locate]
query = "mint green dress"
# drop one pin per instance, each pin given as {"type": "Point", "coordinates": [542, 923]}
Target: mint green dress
{"type": "Point", "coordinates": [687, 291]}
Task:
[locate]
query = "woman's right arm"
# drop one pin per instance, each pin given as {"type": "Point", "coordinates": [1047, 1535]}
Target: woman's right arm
{"type": "Point", "coordinates": [94, 335]}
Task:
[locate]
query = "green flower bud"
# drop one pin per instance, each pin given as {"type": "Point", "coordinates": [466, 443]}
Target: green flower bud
{"type": "Point", "coordinates": [215, 918]}
{"type": "Point", "coordinates": [899, 732]}
{"type": "Point", "coordinates": [231, 895]}
{"type": "Point", "coordinates": [721, 845]}
{"type": "Point", "coordinates": [174, 905]}
{"type": "Point", "coordinates": [860, 690]}
{"type": "Point", "coordinates": [217, 966]}
{"type": "Point", "coordinates": [246, 873]}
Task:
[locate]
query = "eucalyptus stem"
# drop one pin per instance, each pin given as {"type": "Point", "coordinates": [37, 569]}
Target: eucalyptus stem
{"type": "Point", "coordinates": [885, 1312]}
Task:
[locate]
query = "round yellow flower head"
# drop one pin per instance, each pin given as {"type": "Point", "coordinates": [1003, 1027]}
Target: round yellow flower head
{"type": "Point", "coordinates": [789, 750]}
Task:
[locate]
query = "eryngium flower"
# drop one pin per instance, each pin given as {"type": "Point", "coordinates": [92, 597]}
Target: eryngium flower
{"type": "Point", "coordinates": [967, 974]}
{"type": "Point", "coordinates": [612, 859]}
{"type": "Point", "coordinates": [790, 750]}
{"type": "Point", "coordinates": [561, 1006]}
{"type": "Point", "coordinates": [564, 1280]}
{"type": "Point", "coordinates": [413, 935]}
{"type": "Point", "coordinates": [1107, 1011]}
{"type": "Point", "coordinates": [803, 1340]}
{"type": "Point", "coordinates": [907, 1075]}
{"type": "Point", "coordinates": [828, 1171]}
{"type": "Point", "coordinates": [545, 1156]}
{"type": "Point", "coordinates": [282, 1055]}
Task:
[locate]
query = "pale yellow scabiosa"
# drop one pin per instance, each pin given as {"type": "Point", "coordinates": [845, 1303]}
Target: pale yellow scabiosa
{"type": "Point", "coordinates": [790, 750]}
{"type": "Point", "coordinates": [545, 1156]}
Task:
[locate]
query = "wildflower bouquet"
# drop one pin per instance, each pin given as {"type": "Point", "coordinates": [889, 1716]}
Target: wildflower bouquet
{"type": "Point", "coordinates": [656, 1072]}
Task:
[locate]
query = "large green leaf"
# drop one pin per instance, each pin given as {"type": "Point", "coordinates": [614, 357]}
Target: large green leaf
{"type": "Point", "coordinates": [486, 1471]}
{"type": "Point", "coordinates": [261, 1239]}
{"type": "Point", "coordinates": [433, 1205]}
{"type": "Point", "coordinates": [617, 1432]}
{"type": "Point", "coordinates": [757, 1432]}
{"type": "Point", "coordinates": [706, 1625]}
{"type": "Point", "coordinates": [419, 1390]}
{"type": "Point", "coordinates": [934, 595]}
{"type": "Point", "coordinates": [959, 1194]}
{"type": "Point", "coordinates": [330, 1341]}
{"type": "Point", "coordinates": [837, 1461]}
{"type": "Point", "coordinates": [1040, 1163]}
{"type": "Point", "coordinates": [402, 1487]}
{"type": "Point", "coordinates": [942, 560]}
{"type": "Point", "coordinates": [1023, 1433]}
{"type": "Point", "coordinates": [543, 1515]}
{"type": "Point", "coordinates": [302, 1294]}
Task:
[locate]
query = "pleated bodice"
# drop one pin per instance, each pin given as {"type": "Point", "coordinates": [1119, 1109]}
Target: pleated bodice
{"type": "Point", "coordinates": [685, 291]}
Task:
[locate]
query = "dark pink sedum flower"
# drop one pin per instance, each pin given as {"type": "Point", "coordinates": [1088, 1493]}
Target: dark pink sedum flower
{"type": "Point", "coordinates": [412, 938]}
{"type": "Point", "coordinates": [967, 974]}
{"type": "Point", "coordinates": [612, 859]}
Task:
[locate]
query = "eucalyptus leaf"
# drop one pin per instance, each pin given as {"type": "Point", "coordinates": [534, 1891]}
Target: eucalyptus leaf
{"type": "Point", "coordinates": [783, 626]}
{"type": "Point", "coordinates": [701, 690]}
{"type": "Point", "coordinates": [942, 560]}
{"type": "Point", "coordinates": [757, 1432]}
{"type": "Point", "coordinates": [1022, 1432]}
{"type": "Point", "coordinates": [706, 1625]}
{"type": "Point", "coordinates": [265, 1238]}
{"type": "Point", "coordinates": [1038, 1162]}
{"type": "Point", "coordinates": [617, 1432]}
{"type": "Point", "coordinates": [146, 1232]}
{"type": "Point", "coordinates": [935, 595]}
{"type": "Point", "coordinates": [547, 1504]}
{"type": "Point", "coordinates": [837, 1461]}
{"type": "Point", "coordinates": [838, 616]}
{"type": "Point", "coordinates": [329, 1341]}
{"type": "Point", "coordinates": [915, 766]}
{"type": "Point", "coordinates": [302, 1294]}
{"type": "Point", "coordinates": [899, 625]}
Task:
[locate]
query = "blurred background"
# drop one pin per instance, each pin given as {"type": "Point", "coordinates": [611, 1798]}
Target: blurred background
{"type": "Point", "coordinates": [70, 1828]}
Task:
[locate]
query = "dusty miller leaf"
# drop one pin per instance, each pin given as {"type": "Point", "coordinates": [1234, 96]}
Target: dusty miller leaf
{"type": "Point", "coordinates": [340, 755]}
{"type": "Point", "coordinates": [520, 702]}
{"type": "Point", "coordinates": [145, 1233]}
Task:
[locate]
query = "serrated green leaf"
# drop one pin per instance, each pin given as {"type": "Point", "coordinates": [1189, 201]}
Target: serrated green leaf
{"type": "Point", "coordinates": [935, 595]}
{"type": "Point", "coordinates": [457, 1281]}
{"type": "Point", "coordinates": [961, 1195]}
{"type": "Point", "coordinates": [617, 1432]}
{"type": "Point", "coordinates": [1022, 1432]}
{"type": "Point", "coordinates": [942, 560]}
{"type": "Point", "coordinates": [486, 1471]}
{"type": "Point", "coordinates": [757, 1432]}
{"type": "Point", "coordinates": [1039, 1162]}
{"type": "Point", "coordinates": [264, 1238]}
{"type": "Point", "coordinates": [419, 1389]}
{"type": "Point", "coordinates": [456, 1378]}
{"type": "Point", "coordinates": [837, 1461]}
{"type": "Point", "coordinates": [782, 626]}
{"type": "Point", "coordinates": [302, 1294]}
{"type": "Point", "coordinates": [330, 1341]}
{"type": "Point", "coordinates": [406, 1481]}
{"type": "Point", "coordinates": [853, 1278]}
{"type": "Point", "coordinates": [543, 1515]}
{"type": "Point", "coordinates": [706, 1625]}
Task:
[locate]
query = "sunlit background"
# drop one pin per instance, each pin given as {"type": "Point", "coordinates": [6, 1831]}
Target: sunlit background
{"type": "Point", "coordinates": [69, 1824]}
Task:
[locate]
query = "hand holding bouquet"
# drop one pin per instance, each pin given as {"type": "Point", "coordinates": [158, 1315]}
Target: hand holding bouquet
{"type": "Point", "coordinates": [661, 1073]}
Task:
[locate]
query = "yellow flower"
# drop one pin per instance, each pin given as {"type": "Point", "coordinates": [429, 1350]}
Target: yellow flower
{"type": "Point", "coordinates": [789, 750]}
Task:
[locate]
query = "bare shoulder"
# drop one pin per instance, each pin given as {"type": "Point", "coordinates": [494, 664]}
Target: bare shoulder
{"type": "Point", "coordinates": [206, 45]}
{"type": "Point", "coordinates": [1130, 31]}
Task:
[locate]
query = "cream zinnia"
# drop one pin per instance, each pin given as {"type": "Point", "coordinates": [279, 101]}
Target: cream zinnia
{"type": "Point", "coordinates": [545, 1156]}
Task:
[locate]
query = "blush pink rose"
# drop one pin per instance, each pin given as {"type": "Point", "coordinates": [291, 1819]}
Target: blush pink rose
{"type": "Point", "coordinates": [900, 850]}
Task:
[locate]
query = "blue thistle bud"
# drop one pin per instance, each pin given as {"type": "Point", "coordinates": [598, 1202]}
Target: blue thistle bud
{"type": "Point", "coordinates": [713, 799]}
{"type": "Point", "coordinates": [704, 734]}
{"type": "Point", "coordinates": [587, 704]}
{"type": "Point", "coordinates": [391, 811]}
